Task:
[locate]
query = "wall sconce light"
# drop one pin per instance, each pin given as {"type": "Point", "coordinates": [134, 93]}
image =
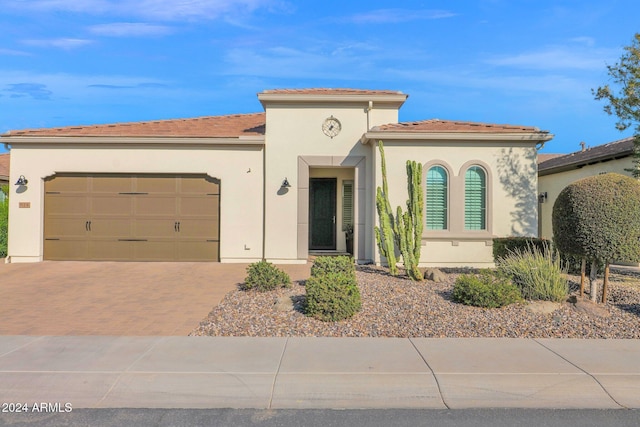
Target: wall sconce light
{"type": "Point", "coordinates": [542, 197]}
{"type": "Point", "coordinates": [285, 183]}
{"type": "Point", "coordinates": [22, 180]}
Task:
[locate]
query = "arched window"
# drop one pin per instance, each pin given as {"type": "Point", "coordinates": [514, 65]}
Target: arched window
{"type": "Point", "coordinates": [475, 199]}
{"type": "Point", "coordinates": [437, 195]}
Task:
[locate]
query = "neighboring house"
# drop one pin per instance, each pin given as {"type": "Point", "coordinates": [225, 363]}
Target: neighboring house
{"type": "Point", "coordinates": [556, 173]}
{"type": "Point", "coordinates": [275, 185]}
{"type": "Point", "coordinates": [4, 173]}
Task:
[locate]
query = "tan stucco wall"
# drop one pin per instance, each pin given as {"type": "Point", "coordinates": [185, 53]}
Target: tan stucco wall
{"type": "Point", "coordinates": [553, 184]}
{"type": "Point", "coordinates": [295, 131]}
{"type": "Point", "coordinates": [239, 170]}
{"type": "Point", "coordinates": [511, 208]}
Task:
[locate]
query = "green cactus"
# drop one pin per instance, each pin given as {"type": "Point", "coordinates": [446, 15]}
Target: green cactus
{"type": "Point", "coordinates": [405, 230]}
{"type": "Point", "coordinates": [409, 224]}
{"type": "Point", "coordinates": [385, 234]}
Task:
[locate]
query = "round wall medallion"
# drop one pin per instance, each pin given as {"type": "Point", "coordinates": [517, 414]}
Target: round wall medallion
{"type": "Point", "coordinates": [331, 126]}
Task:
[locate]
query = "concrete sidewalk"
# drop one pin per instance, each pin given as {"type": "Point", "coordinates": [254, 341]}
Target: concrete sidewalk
{"type": "Point", "coordinates": [238, 372]}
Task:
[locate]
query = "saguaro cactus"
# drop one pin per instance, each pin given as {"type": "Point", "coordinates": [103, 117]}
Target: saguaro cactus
{"type": "Point", "coordinates": [409, 224]}
{"type": "Point", "coordinates": [405, 230]}
{"type": "Point", "coordinates": [385, 235]}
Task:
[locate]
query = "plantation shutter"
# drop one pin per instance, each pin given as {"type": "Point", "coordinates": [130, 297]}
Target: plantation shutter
{"type": "Point", "coordinates": [436, 198]}
{"type": "Point", "coordinates": [347, 204]}
{"type": "Point", "coordinates": [475, 190]}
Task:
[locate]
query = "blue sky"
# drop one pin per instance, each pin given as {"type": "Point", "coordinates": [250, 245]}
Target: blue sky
{"type": "Point", "coordinates": [72, 62]}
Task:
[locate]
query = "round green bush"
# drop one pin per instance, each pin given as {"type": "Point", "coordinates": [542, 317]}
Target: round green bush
{"type": "Point", "coordinates": [264, 276]}
{"type": "Point", "coordinates": [485, 290]}
{"type": "Point", "coordinates": [598, 218]}
{"type": "Point", "coordinates": [332, 296]}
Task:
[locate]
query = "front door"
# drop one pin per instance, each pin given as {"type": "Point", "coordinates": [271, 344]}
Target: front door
{"type": "Point", "coordinates": [322, 213]}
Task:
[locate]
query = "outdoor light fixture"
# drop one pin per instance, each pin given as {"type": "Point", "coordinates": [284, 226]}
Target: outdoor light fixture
{"type": "Point", "coordinates": [285, 183]}
{"type": "Point", "coordinates": [542, 197]}
{"type": "Point", "coordinates": [22, 180]}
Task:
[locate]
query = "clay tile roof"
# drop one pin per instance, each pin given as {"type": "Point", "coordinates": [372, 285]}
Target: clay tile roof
{"type": "Point", "coordinates": [543, 157]}
{"type": "Point", "coordinates": [437, 125]}
{"type": "Point", "coordinates": [612, 150]}
{"type": "Point", "coordinates": [4, 165]}
{"type": "Point", "coordinates": [332, 91]}
{"type": "Point", "coordinates": [231, 126]}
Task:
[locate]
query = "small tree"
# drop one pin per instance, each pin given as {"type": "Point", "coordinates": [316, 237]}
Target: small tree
{"type": "Point", "coordinates": [625, 103]}
{"type": "Point", "coordinates": [598, 218]}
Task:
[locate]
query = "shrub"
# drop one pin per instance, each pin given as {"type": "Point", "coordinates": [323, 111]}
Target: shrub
{"type": "Point", "coordinates": [503, 245]}
{"type": "Point", "coordinates": [332, 296]}
{"type": "Point", "coordinates": [485, 290]}
{"type": "Point", "coordinates": [264, 276]}
{"type": "Point", "coordinates": [538, 273]}
{"type": "Point", "coordinates": [597, 217]}
{"type": "Point", "coordinates": [4, 227]}
{"type": "Point", "coordinates": [332, 264]}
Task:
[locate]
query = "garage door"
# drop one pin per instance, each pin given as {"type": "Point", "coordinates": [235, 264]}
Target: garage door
{"type": "Point", "coordinates": [140, 217]}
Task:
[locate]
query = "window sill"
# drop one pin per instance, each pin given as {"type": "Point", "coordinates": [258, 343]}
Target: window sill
{"type": "Point", "coordinates": [456, 238]}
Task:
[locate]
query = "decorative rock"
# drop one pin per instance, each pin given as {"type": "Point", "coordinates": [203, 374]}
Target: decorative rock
{"type": "Point", "coordinates": [434, 275]}
{"type": "Point", "coordinates": [543, 307]}
{"type": "Point", "coordinates": [591, 309]}
{"type": "Point", "coordinates": [284, 303]}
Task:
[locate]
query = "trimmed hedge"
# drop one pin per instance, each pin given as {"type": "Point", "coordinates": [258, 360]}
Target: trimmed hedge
{"type": "Point", "coordinates": [485, 290]}
{"type": "Point", "coordinates": [264, 276]}
{"type": "Point", "coordinates": [598, 218]}
{"type": "Point", "coordinates": [4, 227]}
{"type": "Point", "coordinates": [332, 291]}
{"type": "Point", "coordinates": [502, 246]}
{"type": "Point", "coordinates": [333, 264]}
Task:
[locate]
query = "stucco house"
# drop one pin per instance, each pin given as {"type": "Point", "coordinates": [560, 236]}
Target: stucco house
{"type": "Point", "coordinates": [555, 173]}
{"type": "Point", "coordinates": [278, 184]}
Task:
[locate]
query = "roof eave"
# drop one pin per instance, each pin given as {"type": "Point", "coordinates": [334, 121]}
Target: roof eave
{"type": "Point", "coordinates": [393, 99]}
{"type": "Point", "coordinates": [131, 140]}
{"type": "Point", "coordinates": [579, 164]}
{"type": "Point", "coordinates": [536, 137]}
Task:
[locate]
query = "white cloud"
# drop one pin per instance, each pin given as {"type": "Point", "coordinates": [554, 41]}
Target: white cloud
{"type": "Point", "coordinates": [393, 16]}
{"type": "Point", "coordinates": [554, 58]}
{"type": "Point", "coordinates": [61, 43]}
{"type": "Point", "coordinates": [164, 10]}
{"type": "Point", "coordinates": [130, 29]}
{"type": "Point", "coordinates": [11, 52]}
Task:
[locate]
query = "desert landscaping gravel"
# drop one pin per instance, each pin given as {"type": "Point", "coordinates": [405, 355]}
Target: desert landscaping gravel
{"type": "Point", "coordinates": [398, 307]}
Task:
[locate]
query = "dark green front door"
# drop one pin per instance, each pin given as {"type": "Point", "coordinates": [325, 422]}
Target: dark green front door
{"type": "Point", "coordinates": [322, 213]}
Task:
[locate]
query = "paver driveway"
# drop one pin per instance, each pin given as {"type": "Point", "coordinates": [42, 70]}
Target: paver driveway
{"type": "Point", "coordinates": [114, 298]}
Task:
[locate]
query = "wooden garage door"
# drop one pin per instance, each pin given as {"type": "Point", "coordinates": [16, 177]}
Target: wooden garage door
{"type": "Point", "coordinates": [132, 218]}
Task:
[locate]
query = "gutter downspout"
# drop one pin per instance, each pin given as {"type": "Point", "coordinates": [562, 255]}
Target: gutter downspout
{"type": "Point", "coordinates": [264, 200]}
{"type": "Point", "coordinates": [369, 108]}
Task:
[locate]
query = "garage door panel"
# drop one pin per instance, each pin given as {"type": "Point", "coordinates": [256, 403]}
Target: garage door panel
{"type": "Point", "coordinates": [153, 205]}
{"type": "Point", "coordinates": [155, 250]}
{"type": "Point", "coordinates": [111, 250]}
{"type": "Point", "coordinates": [204, 228]}
{"type": "Point", "coordinates": [110, 227]}
{"type": "Point", "coordinates": [199, 185]}
{"type": "Point", "coordinates": [57, 227]}
{"type": "Point", "coordinates": [154, 228]}
{"type": "Point", "coordinates": [156, 184]}
{"type": "Point", "coordinates": [63, 204]}
{"type": "Point", "coordinates": [111, 205]}
{"type": "Point", "coordinates": [111, 184]}
{"type": "Point", "coordinates": [201, 206]}
{"type": "Point", "coordinates": [66, 250]}
{"type": "Point", "coordinates": [67, 184]}
{"type": "Point", "coordinates": [198, 250]}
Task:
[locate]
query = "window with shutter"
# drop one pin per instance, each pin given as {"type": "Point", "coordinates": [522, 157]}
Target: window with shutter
{"type": "Point", "coordinates": [475, 196]}
{"type": "Point", "coordinates": [437, 195]}
{"type": "Point", "coordinates": [347, 204]}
